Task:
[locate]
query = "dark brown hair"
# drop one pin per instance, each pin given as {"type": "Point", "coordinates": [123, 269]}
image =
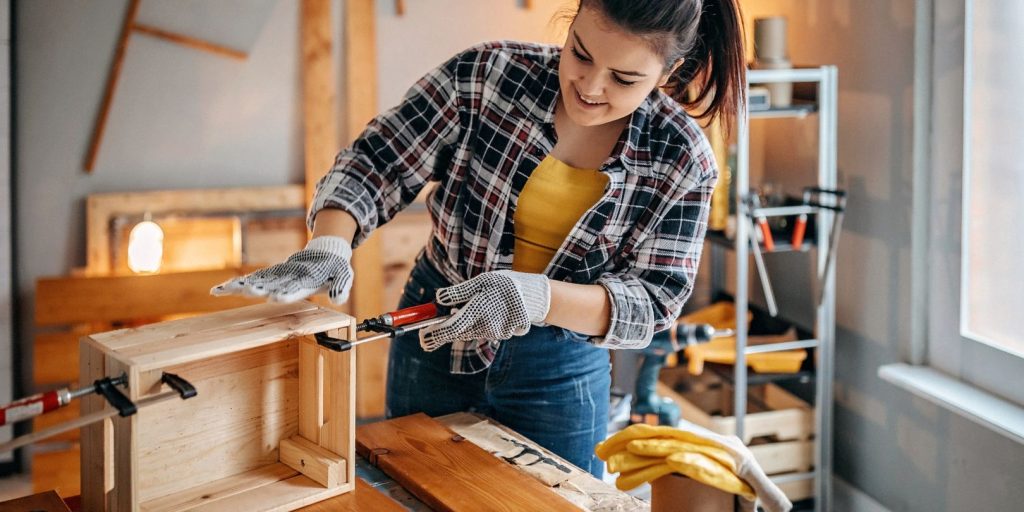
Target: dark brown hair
{"type": "Point", "coordinates": [707, 34]}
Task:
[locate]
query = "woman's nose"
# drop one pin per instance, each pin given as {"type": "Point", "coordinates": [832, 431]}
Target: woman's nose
{"type": "Point", "coordinates": [589, 85]}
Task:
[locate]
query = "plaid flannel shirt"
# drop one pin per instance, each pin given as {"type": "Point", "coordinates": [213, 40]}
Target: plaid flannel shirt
{"type": "Point", "coordinates": [478, 125]}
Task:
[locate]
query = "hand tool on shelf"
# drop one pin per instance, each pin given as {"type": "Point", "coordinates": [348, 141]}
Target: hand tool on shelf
{"type": "Point", "coordinates": [762, 222]}
{"type": "Point", "coordinates": [837, 204]}
{"type": "Point", "coordinates": [389, 325]}
{"type": "Point", "coordinates": [800, 226]}
{"type": "Point", "coordinates": [105, 387]}
{"type": "Point", "coordinates": [762, 271]}
{"type": "Point", "coordinates": [647, 406]}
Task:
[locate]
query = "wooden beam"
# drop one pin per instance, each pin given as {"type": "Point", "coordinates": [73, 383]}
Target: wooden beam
{"type": "Point", "coordinates": [189, 41]}
{"type": "Point", "coordinates": [112, 78]}
{"type": "Point", "coordinates": [360, 77]}
{"type": "Point", "coordinates": [319, 106]}
{"type": "Point", "coordinates": [72, 300]}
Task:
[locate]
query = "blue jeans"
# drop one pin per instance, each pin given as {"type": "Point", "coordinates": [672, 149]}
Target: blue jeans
{"type": "Point", "coordinates": [549, 385]}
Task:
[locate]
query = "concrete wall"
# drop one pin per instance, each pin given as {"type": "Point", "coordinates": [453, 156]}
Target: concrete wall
{"type": "Point", "coordinates": [906, 453]}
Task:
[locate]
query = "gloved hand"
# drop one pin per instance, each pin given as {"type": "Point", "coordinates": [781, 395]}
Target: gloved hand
{"type": "Point", "coordinates": [324, 265]}
{"type": "Point", "coordinates": [493, 306]}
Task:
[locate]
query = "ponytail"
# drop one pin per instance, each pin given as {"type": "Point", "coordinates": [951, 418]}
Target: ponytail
{"type": "Point", "coordinates": [713, 74]}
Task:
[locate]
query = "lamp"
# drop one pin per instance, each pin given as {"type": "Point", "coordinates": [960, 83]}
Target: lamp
{"type": "Point", "coordinates": [145, 246]}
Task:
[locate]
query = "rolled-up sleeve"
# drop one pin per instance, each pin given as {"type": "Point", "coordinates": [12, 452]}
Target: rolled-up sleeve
{"type": "Point", "coordinates": [648, 294]}
{"type": "Point", "coordinates": [398, 153]}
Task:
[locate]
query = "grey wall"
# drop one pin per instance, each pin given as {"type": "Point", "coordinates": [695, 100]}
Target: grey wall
{"type": "Point", "coordinates": [183, 118]}
{"type": "Point", "coordinates": [904, 452]}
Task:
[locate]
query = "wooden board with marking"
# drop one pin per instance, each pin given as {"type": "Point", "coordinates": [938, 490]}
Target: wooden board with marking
{"type": "Point", "coordinates": [447, 472]}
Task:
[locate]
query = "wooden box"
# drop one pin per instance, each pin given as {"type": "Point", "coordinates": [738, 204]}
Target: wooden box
{"type": "Point", "coordinates": [779, 427]}
{"type": "Point", "coordinates": [272, 426]}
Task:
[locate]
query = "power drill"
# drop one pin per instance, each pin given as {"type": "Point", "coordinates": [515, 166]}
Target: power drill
{"type": "Point", "coordinates": [648, 407]}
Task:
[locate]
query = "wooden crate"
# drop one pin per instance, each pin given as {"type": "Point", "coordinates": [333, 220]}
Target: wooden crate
{"type": "Point", "coordinates": [779, 426]}
{"type": "Point", "coordinates": [272, 426]}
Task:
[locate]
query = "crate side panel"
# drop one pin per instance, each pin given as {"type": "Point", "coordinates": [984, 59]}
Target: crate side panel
{"type": "Point", "coordinates": [246, 403]}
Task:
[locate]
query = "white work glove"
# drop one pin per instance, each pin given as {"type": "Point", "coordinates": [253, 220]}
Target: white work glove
{"type": "Point", "coordinates": [492, 306]}
{"type": "Point", "coordinates": [324, 265]}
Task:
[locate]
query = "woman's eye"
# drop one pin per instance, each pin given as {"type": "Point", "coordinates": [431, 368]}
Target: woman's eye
{"type": "Point", "coordinates": [626, 83]}
{"type": "Point", "coordinates": [579, 55]}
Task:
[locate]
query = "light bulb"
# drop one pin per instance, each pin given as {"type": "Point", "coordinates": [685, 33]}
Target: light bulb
{"type": "Point", "coordinates": [145, 247]}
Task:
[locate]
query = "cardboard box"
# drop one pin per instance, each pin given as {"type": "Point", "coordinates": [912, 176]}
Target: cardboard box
{"type": "Point", "coordinates": [272, 426]}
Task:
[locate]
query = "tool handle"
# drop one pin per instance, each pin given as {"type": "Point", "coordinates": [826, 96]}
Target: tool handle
{"type": "Point", "coordinates": [414, 314]}
{"type": "Point", "coordinates": [29, 407]}
{"type": "Point", "coordinates": [798, 232]}
{"type": "Point", "coordinates": [766, 233]}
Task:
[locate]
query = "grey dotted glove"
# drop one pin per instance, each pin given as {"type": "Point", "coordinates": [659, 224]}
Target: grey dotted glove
{"type": "Point", "coordinates": [492, 306]}
{"type": "Point", "coordinates": [324, 265]}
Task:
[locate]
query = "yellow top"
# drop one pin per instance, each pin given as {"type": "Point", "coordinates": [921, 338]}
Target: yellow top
{"type": "Point", "coordinates": [550, 205]}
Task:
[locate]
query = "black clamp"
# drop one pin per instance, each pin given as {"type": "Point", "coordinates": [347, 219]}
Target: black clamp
{"type": "Point", "coordinates": [107, 388]}
{"type": "Point", "coordinates": [334, 344]}
{"type": "Point", "coordinates": [182, 386]}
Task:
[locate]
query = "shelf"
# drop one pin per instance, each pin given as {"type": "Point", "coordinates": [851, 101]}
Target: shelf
{"type": "Point", "coordinates": [727, 373]}
{"type": "Point", "coordinates": [798, 109]}
{"type": "Point", "coordinates": [798, 74]}
{"type": "Point", "coordinates": [719, 238]}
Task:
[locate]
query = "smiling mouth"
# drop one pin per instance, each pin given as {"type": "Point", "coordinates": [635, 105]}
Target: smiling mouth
{"type": "Point", "coordinates": [584, 100]}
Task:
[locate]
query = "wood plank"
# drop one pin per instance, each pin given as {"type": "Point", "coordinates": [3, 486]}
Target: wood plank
{"type": "Point", "coordinates": [190, 244]}
{"type": "Point", "coordinates": [311, 390]}
{"type": "Point", "coordinates": [113, 77]}
{"type": "Point", "coordinates": [364, 498]}
{"type": "Point", "coordinates": [213, 491]}
{"type": "Point", "coordinates": [319, 104]}
{"type": "Point", "coordinates": [360, 49]}
{"type": "Point", "coordinates": [55, 360]}
{"type": "Point", "coordinates": [318, 464]}
{"type": "Point", "coordinates": [48, 501]}
{"type": "Point", "coordinates": [57, 471]}
{"type": "Point", "coordinates": [70, 300]}
{"type": "Point", "coordinates": [189, 41]}
{"type": "Point", "coordinates": [125, 495]}
{"type": "Point", "coordinates": [96, 466]}
{"type": "Point", "coordinates": [447, 472]}
{"type": "Point", "coordinates": [101, 209]}
{"type": "Point", "coordinates": [125, 338]}
{"type": "Point", "coordinates": [338, 431]}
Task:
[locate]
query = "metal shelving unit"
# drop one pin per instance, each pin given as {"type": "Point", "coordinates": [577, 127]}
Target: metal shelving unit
{"type": "Point", "coordinates": [825, 109]}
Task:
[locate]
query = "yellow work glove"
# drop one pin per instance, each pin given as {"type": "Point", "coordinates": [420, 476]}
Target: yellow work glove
{"type": "Point", "coordinates": [662, 448]}
{"type": "Point", "coordinates": [618, 442]}
{"type": "Point", "coordinates": [708, 471]}
{"type": "Point", "coordinates": [632, 479]}
{"type": "Point", "coordinates": [625, 461]}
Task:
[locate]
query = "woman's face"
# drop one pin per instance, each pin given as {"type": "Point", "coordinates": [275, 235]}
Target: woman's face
{"type": "Point", "coordinates": [605, 72]}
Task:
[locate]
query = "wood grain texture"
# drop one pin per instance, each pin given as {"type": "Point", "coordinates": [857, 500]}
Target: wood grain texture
{"type": "Point", "coordinates": [319, 103]}
{"type": "Point", "coordinates": [71, 300]}
{"type": "Point", "coordinates": [448, 473]}
{"type": "Point", "coordinates": [363, 499]}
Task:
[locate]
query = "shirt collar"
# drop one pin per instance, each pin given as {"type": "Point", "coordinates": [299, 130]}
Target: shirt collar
{"type": "Point", "coordinates": [633, 148]}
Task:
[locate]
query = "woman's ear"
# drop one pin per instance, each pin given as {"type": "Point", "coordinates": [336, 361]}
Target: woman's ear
{"type": "Point", "coordinates": [668, 74]}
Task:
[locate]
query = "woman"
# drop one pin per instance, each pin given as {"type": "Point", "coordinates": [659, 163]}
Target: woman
{"type": "Point", "coordinates": [568, 217]}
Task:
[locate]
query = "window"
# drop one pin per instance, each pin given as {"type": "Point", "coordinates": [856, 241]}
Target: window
{"type": "Point", "coordinates": [972, 199]}
{"type": "Point", "coordinates": [992, 271]}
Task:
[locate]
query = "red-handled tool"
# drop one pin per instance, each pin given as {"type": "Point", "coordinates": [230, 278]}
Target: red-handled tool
{"type": "Point", "coordinates": [390, 325]}
{"type": "Point", "coordinates": [51, 400]}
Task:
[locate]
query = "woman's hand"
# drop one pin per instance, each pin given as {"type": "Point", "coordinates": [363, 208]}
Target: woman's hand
{"type": "Point", "coordinates": [493, 306]}
{"type": "Point", "coordinates": [324, 265]}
